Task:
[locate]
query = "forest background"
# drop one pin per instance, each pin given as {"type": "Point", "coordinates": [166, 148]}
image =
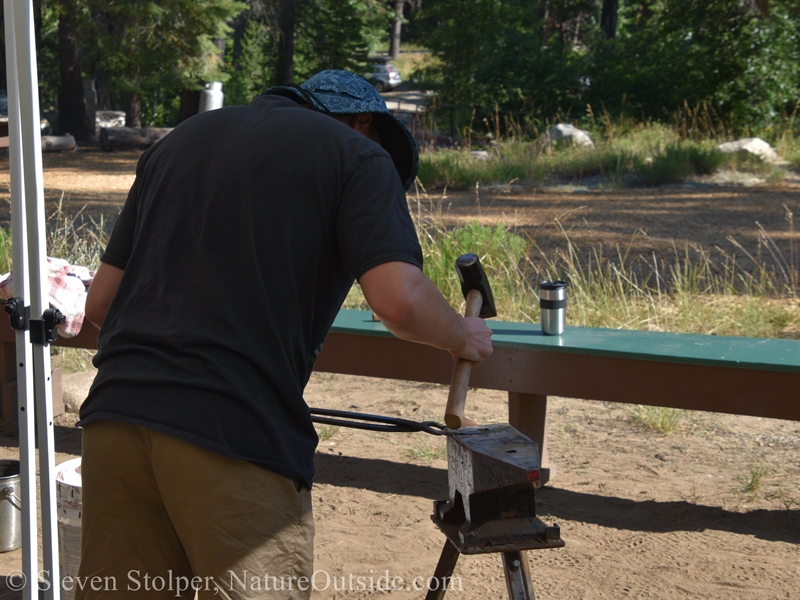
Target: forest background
{"type": "Point", "coordinates": [520, 63]}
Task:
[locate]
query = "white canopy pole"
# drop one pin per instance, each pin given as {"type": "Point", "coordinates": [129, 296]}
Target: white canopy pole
{"type": "Point", "coordinates": [25, 402]}
{"type": "Point", "coordinates": [28, 221]}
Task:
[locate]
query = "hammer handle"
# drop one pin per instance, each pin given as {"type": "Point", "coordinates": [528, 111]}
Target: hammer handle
{"type": "Point", "coordinates": [457, 398]}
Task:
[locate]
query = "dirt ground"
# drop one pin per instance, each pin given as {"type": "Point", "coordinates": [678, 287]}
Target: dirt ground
{"type": "Point", "coordinates": [709, 511]}
{"type": "Point", "coordinates": [703, 213]}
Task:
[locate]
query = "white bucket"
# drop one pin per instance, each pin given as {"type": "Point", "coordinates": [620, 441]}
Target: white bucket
{"type": "Point", "coordinates": [69, 510]}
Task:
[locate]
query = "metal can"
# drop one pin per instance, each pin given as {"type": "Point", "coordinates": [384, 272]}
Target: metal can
{"type": "Point", "coordinates": [553, 305]}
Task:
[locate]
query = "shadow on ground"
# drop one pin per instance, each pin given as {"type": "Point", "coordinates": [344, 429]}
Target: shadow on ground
{"type": "Point", "coordinates": [387, 477]}
{"type": "Point", "coordinates": [11, 587]}
{"type": "Point", "coordinates": [67, 439]}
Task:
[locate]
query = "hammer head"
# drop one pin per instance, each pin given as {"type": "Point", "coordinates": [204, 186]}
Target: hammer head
{"type": "Point", "coordinates": [472, 277]}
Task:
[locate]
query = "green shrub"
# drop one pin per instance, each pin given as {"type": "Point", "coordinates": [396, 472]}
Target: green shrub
{"type": "Point", "coordinates": [788, 146]}
{"type": "Point", "coordinates": [576, 163]}
{"type": "Point", "coordinates": [79, 244]}
{"type": "Point", "coordinates": [705, 161]}
{"type": "Point", "coordinates": [661, 419]}
{"type": "Point", "coordinates": [652, 151]}
{"type": "Point", "coordinates": [503, 257]}
{"type": "Point", "coordinates": [77, 240]}
{"type": "Point", "coordinates": [459, 169]}
{"type": "Point", "coordinates": [679, 161]}
{"type": "Point", "coordinates": [5, 250]}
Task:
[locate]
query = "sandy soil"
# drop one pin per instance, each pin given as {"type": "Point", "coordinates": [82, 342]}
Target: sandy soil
{"type": "Point", "coordinates": [710, 511]}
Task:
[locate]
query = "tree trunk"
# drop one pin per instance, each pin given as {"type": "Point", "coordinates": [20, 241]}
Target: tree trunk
{"type": "Point", "coordinates": [284, 72]}
{"type": "Point", "coordinates": [397, 27]}
{"type": "Point", "coordinates": [544, 15]}
{"type": "Point", "coordinates": [608, 18]}
{"type": "Point", "coordinates": [130, 138]}
{"type": "Point", "coordinates": [237, 35]}
{"type": "Point", "coordinates": [190, 104]}
{"type": "Point", "coordinates": [133, 109]}
{"type": "Point", "coordinates": [3, 77]}
{"type": "Point", "coordinates": [104, 101]}
{"type": "Point", "coordinates": [72, 115]}
{"type": "Point", "coordinates": [37, 35]}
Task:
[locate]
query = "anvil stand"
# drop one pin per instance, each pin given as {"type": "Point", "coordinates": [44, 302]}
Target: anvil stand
{"type": "Point", "coordinates": [493, 471]}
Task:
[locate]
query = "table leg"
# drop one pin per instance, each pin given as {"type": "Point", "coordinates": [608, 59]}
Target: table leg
{"type": "Point", "coordinates": [528, 414]}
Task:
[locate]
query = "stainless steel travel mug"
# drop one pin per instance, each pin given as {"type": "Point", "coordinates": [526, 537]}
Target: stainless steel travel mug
{"type": "Point", "coordinates": [553, 304]}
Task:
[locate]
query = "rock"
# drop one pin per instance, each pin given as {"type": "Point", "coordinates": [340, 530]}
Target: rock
{"type": "Point", "coordinates": [76, 386]}
{"type": "Point", "coordinates": [570, 133]}
{"type": "Point", "coordinates": [755, 146]}
{"type": "Point", "coordinates": [110, 118]}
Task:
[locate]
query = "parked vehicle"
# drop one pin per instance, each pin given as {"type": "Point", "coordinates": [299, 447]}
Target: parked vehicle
{"type": "Point", "coordinates": [384, 77]}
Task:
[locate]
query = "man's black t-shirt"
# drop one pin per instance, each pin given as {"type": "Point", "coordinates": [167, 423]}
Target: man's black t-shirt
{"type": "Point", "coordinates": [240, 238]}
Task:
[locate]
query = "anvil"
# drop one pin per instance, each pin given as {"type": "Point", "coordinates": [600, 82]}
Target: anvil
{"type": "Point", "coordinates": [493, 472]}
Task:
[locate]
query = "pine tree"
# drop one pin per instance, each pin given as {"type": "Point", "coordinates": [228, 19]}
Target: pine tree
{"type": "Point", "coordinates": [254, 68]}
{"type": "Point", "coordinates": [149, 45]}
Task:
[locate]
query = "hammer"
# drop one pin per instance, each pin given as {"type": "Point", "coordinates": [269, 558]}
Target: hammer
{"type": "Point", "coordinates": [480, 303]}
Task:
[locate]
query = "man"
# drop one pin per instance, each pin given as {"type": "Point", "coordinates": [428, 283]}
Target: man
{"type": "Point", "coordinates": [240, 238]}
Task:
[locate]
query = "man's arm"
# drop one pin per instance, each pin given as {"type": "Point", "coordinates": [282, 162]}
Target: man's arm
{"type": "Point", "coordinates": [412, 308]}
{"type": "Point", "coordinates": [102, 292]}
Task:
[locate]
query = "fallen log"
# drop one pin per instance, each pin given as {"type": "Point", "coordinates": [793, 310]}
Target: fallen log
{"type": "Point", "coordinates": [130, 138]}
{"type": "Point", "coordinates": [57, 143]}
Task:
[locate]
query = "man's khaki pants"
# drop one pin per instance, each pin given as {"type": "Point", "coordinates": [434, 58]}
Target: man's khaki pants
{"type": "Point", "coordinates": [163, 518]}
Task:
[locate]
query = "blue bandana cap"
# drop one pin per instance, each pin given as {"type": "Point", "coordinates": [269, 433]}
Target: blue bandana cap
{"type": "Point", "coordinates": [344, 93]}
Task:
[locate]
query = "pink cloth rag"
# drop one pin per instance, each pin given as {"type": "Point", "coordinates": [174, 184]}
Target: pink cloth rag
{"type": "Point", "coordinates": [67, 287]}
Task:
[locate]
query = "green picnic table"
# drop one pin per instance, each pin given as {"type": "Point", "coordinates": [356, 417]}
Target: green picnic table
{"type": "Point", "coordinates": [737, 375]}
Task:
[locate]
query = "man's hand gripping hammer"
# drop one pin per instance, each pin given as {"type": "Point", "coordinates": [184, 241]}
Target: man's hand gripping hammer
{"type": "Point", "coordinates": [480, 303]}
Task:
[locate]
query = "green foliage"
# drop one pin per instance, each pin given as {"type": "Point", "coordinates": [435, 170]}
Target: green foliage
{"type": "Point", "coordinates": [654, 154]}
{"type": "Point", "coordinates": [425, 450]}
{"type": "Point", "coordinates": [577, 163]}
{"type": "Point", "coordinates": [149, 47]}
{"type": "Point", "coordinates": [329, 34]}
{"type": "Point", "coordinates": [503, 257]}
{"type": "Point", "coordinates": [739, 59]}
{"type": "Point", "coordinates": [252, 73]}
{"type": "Point", "coordinates": [789, 147]}
{"type": "Point", "coordinates": [693, 292]}
{"type": "Point", "coordinates": [5, 250]}
{"type": "Point", "coordinates": [658, 418]}
{"type": "Point", "coordinates": [75, 239]}
{"type": "Point", "coordinates": [337, 34]}
{"type": "Point", "coordinates": [47, 58]}
{"type": "Point", "coordinates": [160, 107]}
{"type": "Point", "coordinates": [72, 360]}
{"type": "Point", "coordinates": [459, 169]}
{"type": "Point", "coordinates": [326, 432]}
{"type": "Point", "coordinates": [501, 53]}
{"type": "Point", "coordinates": [751, 482]}
{"type": "Point", "coordinates": [677, 162]}
{"type": "Point", "coordinates": [731, 55]}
